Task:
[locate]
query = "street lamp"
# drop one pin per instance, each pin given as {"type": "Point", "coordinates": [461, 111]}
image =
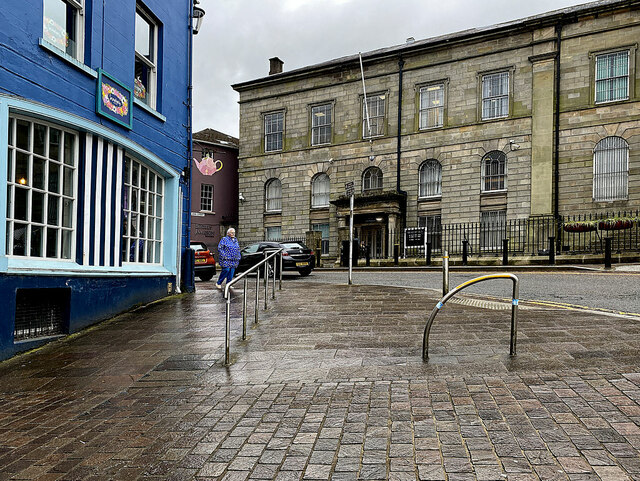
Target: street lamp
{"type": "Point", "coordinates": [198, 13]}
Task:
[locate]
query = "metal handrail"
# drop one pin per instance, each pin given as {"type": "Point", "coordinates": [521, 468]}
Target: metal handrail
{"type": "Point", "coordinates": [244, 276]}
{"type": "Point", "coordinates": [514, 310]}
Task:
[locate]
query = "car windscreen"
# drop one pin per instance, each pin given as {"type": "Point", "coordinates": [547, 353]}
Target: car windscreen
{"type": "Point", "coordinates": [198, 246]}
{"type": "Point", "coordinates": [250, 249]}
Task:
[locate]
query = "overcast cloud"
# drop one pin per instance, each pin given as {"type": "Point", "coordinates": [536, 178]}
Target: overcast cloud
{"type": "Point", "coordinates": [238, 37]}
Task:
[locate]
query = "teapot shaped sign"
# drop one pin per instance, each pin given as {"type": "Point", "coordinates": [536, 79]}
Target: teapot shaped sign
{"type": "Point", "coordinates": [208, 166]}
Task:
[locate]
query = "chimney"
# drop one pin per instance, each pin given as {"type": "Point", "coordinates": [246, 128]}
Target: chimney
{"type": "Point", "coordinates": [275, 65]}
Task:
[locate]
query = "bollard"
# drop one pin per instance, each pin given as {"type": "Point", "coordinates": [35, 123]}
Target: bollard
{"type": "Point", "coordinates": [505, 252]}
{"type": "Point", "coordinates": [465, 251]}
{"type": "Point", "coordinates": [396, 253]}
{"type": "Point", "coordinates": [445, 273]}
{"type": "Point", "coordinates": [552, 250]}
{"type": "Point", "coordinates": [607, 252]}
{"type": "Point", "coordinates": [367, 255]}
{"type": "Point", "coordinates": [428, 253]}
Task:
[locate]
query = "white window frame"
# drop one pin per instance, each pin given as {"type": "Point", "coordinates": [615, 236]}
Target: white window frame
{"type": "Point", "coordinates": [610, 186]}
{"type": "Point", "coordinates": [322, 227]}
{"type": "Point", "coordinates": [426, 109]}
{"type": "Point", "coordinates": [489, 178]}
{"type": "Point", "coordinates": [490, 99]}
{"type": "Point", "coordinates": [78, 5]}
{"type": "Point", "coordinates": [156, 240]}
{"type": "Point", "coordinates": [376, 119]}
{"type": "Point", "coordinates": [272, 204]}
{"type": "Point", "coordinates": [609, 79]}
{"type": "Point", "coordinates": [367, 177]}
{"type": "Point", "coordinates": [270, 126]}
{"type": "Point", "coordinates": [492, 229]}
{"type": "Point", "coordinates": [430, 179]}
{"type": "Point", "coordinates": [152, 91]}
{"type": "Point", "coordinates": [320, 197]}
{"type": "Point", "coordinates": [28, 186]}
{"type": "Point", "coordinates": [206, 197]}
{"type": "Point", "coordinates": [321, 124]}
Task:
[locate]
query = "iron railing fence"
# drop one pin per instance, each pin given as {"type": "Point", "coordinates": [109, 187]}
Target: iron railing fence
{"type": "Point", "coordinates": [574, 234]}
{"type": "Point", "coordinates": [581, 234]}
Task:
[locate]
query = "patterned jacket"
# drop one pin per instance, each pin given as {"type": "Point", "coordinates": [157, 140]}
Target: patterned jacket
{"type": "Point", "coordinates": [228, 252]}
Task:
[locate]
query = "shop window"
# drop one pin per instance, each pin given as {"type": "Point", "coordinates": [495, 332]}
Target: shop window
{"type": "Point", "coordinates": [142, 214]}
{"type": "Point", "coordinates": [63, 26]}
{"type": "Point", "coordinates": [41, 190]}
{"type": "Point", "coordinates": [146, 60]}
{"type": "Point", "coordinates": [611, 170]}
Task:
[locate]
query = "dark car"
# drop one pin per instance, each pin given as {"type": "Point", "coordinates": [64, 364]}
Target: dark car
{"type": "Point", "coordinates": [205, 264]}
{"type": "Point", "coordinates": [296, 257]}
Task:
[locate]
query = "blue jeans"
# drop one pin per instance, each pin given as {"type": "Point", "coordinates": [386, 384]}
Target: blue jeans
{"type": "Point", "coordinates": [226, 273]}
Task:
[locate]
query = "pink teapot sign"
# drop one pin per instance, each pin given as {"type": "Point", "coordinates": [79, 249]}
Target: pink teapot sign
{"type": "Point", "coordinates": [208, 166]}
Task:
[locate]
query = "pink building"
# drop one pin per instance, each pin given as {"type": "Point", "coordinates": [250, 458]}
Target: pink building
{"type": "Point", "coordinates": [214, 186]}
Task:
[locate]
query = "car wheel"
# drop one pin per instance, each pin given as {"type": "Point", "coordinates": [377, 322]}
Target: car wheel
{"type": "Point", "coordinates": [305, 272]}
{"type": "Point", "coordinates": [206, 277]}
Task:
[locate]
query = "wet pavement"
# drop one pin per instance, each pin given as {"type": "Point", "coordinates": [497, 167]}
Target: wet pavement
{"type": "Point", "coordinates": [329, 385]}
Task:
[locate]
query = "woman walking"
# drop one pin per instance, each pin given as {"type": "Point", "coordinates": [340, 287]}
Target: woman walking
{"type": "Point", "coordinates": [228, 256]}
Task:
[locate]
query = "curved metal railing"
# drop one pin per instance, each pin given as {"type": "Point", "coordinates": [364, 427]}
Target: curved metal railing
{"type": "Point", "coordinates": [245, 276]}
{"type": "Point", "coordinates": [514, 310]}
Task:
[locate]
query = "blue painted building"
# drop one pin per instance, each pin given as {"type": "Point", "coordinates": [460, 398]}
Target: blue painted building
{"type": "Point", "coordinates": [95, 144]}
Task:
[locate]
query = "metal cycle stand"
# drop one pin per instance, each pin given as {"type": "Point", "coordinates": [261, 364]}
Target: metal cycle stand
{"type": "Point", "coordinates": [440, 305]}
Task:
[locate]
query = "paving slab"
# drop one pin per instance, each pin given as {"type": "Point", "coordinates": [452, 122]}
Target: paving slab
{"type": "Point", "coordinates": [329, 385]}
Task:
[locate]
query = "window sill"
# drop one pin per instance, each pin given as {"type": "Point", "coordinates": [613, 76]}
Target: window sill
{"type": "Point", "coordinates": [319, 207]}
{"type": "Point", "coordinates": [493, 192]}
{"type": "Point", "coordinates": [57, 267]}
{"type": "Point", "coordinates": [67, 58]}
{"type": "Point", "coordinates": [149, 110]}
{"type": "Point", "coordinates": [435, 127]}
{"type": "Point", "coordinates": [611, 102]}
{"type": "Point", "coordinates": [493, 119]}
{"type": "Point", "coordinates": [431, 197]}
{"type": "Point", "coordinates": [272, 212]}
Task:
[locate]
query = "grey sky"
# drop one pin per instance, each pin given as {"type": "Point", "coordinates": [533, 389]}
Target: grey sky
{"type": "Point", "coordinates": [238, 37]}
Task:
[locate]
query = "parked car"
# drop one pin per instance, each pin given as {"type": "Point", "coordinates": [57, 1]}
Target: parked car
{"type": "Point", "coordinates": [296, 257]}
{"type": "Point", "coordinates": [205, 264]}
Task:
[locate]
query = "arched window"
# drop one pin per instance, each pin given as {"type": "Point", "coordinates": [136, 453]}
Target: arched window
{"type": "Point", "coordinates": [320, 191]}
{"type": "Point", "coordinates": [273, 195]}
{"type": "Point", "coordinates": [430, 178]}
{"type": "Point", "coordinates": [611, 170]}
{"type": "Point", "coordinates": [372, 179]}
{"type": "Point", "coordinates": [494, 171]}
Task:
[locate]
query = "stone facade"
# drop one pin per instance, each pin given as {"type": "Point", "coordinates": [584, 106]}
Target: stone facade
{"type": "Point", "coordinates": [527, 51]}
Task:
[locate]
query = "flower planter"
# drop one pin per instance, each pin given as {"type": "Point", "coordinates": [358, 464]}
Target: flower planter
{"type": "Point", "coordinates": [585, 226]}
{"type": "Point", "coordinates": [615, 224]}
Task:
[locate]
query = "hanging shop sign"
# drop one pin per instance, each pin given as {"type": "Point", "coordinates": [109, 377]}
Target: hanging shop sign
{"type": "Point", "coordinates": [114, 100]}
{"type": "Point", "coordinates": [208, 166]}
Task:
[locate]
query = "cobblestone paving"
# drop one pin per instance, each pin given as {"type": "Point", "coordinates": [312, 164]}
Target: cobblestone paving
{"type": "Point", "coordinates": [329, 385]}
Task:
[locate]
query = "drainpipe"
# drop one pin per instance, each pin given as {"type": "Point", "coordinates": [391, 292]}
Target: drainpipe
{"type": "Point", "coordinates": [556, 152]}
{"type": "Point", "coordinates": [399, 143]}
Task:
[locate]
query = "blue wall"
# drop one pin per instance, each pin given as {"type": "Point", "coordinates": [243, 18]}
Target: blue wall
{"type": "Point", "coordinates": [43, 82]}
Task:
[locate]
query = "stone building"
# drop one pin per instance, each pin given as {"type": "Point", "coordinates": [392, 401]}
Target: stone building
{"type": "Point", "coordinates": [532, 118]}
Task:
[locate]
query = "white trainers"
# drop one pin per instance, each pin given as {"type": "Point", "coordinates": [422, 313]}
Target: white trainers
{"type": "Point", "coordinates": [218, 286]}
